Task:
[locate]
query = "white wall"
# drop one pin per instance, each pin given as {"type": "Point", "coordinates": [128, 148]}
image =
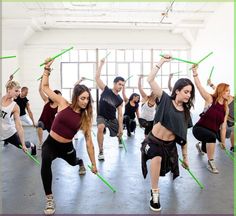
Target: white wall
{"type": "Point", "coordinates": [218, 36]}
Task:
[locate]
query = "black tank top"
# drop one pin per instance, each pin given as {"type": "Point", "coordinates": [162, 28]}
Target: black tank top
{"type": "Point", "coordinates": [130, 110]}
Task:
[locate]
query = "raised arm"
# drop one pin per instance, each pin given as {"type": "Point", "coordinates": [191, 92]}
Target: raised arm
{"type": "Point", "coordinates": [169, 82]}
{"type": "Point", "coordinates": [151, 77]}
{"type": "Point", "coordinates": [99, 82]}
{"type": "Point", "coordinates": [124, 95]}
{"type": "Point", "coordinates": [206, 96]}
{"type": "Point", "coordinates": [120, 120]}
{"type": "Point", "coordinates": [43, 96]}
{"type": "Point", "coordinates": [143, 94]}
{"type": "Point", "coordinates": [62, 103]}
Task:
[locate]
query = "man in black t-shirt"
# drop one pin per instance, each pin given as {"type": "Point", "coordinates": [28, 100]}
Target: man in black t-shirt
{"type": "Point", "coordinates": [109, 103]}
{"type": "Point", "coordinates": [24, 105]}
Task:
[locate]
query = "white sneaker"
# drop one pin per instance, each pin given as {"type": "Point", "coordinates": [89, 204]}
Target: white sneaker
{"type": "Point", "coordinates": [199, 148]}
{"type": "Point", "coordinates": [101, 156]}
{"type": "Point", "coordinates": [39, 146]}
{"type": "Point", "coordinates": [50, 206]}
{"type": "Point", "coordinates": [212, 167]}
{"type": "Point", "coordinates": [82, 170]}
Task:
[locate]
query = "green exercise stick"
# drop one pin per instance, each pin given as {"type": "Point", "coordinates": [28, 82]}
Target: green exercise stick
{"type": "Point", "coordinates": [107, 55]}
{"type": "Point", "coordinates": [205, 57]}
{"type": "Point", "coordinates": [58, 55]}
{"type": "Point", "coordinates": [40, 78]}
{"type": "Point", "coordinates": [228, 153]}
{"type": "Point", "coordinates": [178, 59]}
{"type": "Point", "coordinates": [16, 71]}
{"type": "Point", "coordinates": [198, 182]}
{"type": "Point", "coordinates": [123, 143]}
{"type": "Point", "coordinates": [129, 78]}
{"type": "Point", "coordinates": [211, 72]}
{"type": "Point", "coordinates": [94, 133]}
{"type": "Point", "coordinates": [104, 181]}
{"type": "Point", "coordinates": [177, 72]}
{"type": "Point", "coordinates": [4, 57]}
{"type": "Point", "coordinates": [88, 79]}
{"type": "Point", "coordinates": [30, 156]}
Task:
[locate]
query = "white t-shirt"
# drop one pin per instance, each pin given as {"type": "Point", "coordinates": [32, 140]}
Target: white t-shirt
{"type": "Point", "coordinates": [7, 122]}
{"type": "Point", "coordinates": [147, 112]}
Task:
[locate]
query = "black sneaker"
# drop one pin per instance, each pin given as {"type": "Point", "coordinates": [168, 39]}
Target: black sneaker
{"type": "Point", "coordinates": [232, 149]}
{"type": "Point", "coordinates": [33, 149]}
{"type": "Point", "coordinates": [155, 204]}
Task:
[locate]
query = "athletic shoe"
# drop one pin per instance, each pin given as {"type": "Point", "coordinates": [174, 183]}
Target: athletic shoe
{"type": "Point", "coordinates": [82, 170]}
{"type": "Point", "coordinates": [232, 149]}
{"type": "Point", "coordinates": [33, 149]}
{"type": "Point", "coordinates": [39, 146]}
{"type": "Point", "coordinates": [221, 145]}
{"type": "Point", "coordinates": [199, 148]}
{"type": "Point", "coordinates": [120, 143]}
{"type": "Point", "coordinates": [101, 156]}
{"type": "Point", "coordinates": [5, 143]}
{"type": "Point", "coordinates": [50, 206]}
{"type": "Point", "coordinates": [155, 204]}
{"type": "Point", "coordinates": [212, 167]}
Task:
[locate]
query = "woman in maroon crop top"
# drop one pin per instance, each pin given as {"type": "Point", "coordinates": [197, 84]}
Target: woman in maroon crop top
{"type": "Point", "coordinates": [211, 120]}
{"type": "Point", "coordinates": [47, 116]}
{"type": "Point", "coordinates": [70, 118]}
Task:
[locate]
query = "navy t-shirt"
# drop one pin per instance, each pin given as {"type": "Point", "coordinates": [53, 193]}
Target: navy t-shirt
{"type": "Point", "coordinates": [22, 103]}
{"type": "Point", "coordinates": [108, 104]}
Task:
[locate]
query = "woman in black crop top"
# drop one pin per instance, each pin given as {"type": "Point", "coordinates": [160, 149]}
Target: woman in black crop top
{"type": "Point", "coordinates": [70, 118]}
{"type": "Point", "coordinates": [131, 108]}
{"type": "Point", "coordinates": [215, 118]}
{"type": "Point", "coordinates": [171, 122]}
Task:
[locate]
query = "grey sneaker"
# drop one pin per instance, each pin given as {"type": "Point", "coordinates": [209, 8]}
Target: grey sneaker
{"type": "Point", "coordinates": [212, 167]}
{"type": "Point", "coordinates": [199, 148]}
{"type": "Point", "coordinates": [50, 206]}
{"type": "Point", "coordinates": [101, 156]}
{"type": "Point", "coordinates": [82, 170]}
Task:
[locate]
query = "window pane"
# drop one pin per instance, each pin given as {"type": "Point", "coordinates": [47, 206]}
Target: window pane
{"type": "Point", "coordinates": [82, 55]}
{"type": "Point", "coordinates": [66, 93]}
{"type": "Point", "coordinates": [111, 68]}
{"type": "Point", "coordinates": [156, 55]}
{"type": "Point", "coordinates": [165, 69]}
{"type": "Point", "coordinates": [183, 68]}
{"type": "Point", "coordinates": [135, 70]}
{"type": "Point", "coordinates": [129, 55]}
{"type": "Point", "coordinates": [65, 57]}
{"type": "Point", "coordinates": [101, 54]}
{"type": "Point", "coordinates": [112, 56]}
{"type": "Point", "coordinates": [165, 82]}
{"type": "Point", "coordinates": [183, 55]}
{"type": "Point", "coordinates": [110, 81]}
{"type": "Point", "coordinates": [92, 55]}
{"type": "Point", "coordinates": [146, 68]}
{"type": "Point", "coordinates": [147, 55]}
{"type": "Point", "coordinates": [122, 70]}
{"type": "Point", "coordinates": [86, 70]}
{"type": "Point", "coordinates": [137, 55]}
{"type": "Point", "coordinates": [69, 74]}
{"type": "Point", "coordinates": [74, 56]}
{"type": "Point", "coordinates": [174, 68]}
{"type": "Point", "coordinates": [120, 55]}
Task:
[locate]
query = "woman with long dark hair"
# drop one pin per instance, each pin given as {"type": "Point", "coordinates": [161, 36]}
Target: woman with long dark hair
{"type": "Point", "coordinates": [70, 118]}
{"type": "Point", "coordinates": [131, 108]}
{"type": "Point", "coordinates": [211, 120]}
{"type": "Point", "coordinates": [172, 119]}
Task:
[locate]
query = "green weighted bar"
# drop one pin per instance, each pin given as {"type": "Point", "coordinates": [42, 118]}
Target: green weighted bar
{"type": "Point", "coordinates": [31, 157]}
{"type": "Point", "coordinates": [5, 57]}
{"type": "Point", "coordinates": [182, 60]}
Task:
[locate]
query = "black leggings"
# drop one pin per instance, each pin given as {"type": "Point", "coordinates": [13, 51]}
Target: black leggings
{"type": "Point", "coordinates": [129, 123]}
{"type": "Point", "coordinates": [51, 150]}
{"type": "Point", "coordinates": [204, 135]}
{"type": "Point", "coordinates": [15, 140]}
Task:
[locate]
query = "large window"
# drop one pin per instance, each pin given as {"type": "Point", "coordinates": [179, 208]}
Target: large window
{"type": "Point", "coordinates": [128, 63]}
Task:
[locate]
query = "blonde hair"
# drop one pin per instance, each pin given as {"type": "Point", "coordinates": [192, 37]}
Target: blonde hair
{"type": "Point", "coordinates": [12, 84]}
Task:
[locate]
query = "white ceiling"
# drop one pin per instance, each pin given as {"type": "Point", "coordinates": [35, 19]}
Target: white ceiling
{"type": "Point", "coordinates": [177, 17]}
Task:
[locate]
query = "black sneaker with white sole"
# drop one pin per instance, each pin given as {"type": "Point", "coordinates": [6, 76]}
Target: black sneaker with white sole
{"type": "Point", "coordinates": [33, 149]}
{"type": "Point", "coordinates": [155, 204]}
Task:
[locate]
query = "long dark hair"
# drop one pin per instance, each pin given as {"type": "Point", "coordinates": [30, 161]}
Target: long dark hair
{"type": "Point", "coordinates": [87, 113]}
{"type": "Point", "coordinates": [134, 95]}
{"type": "Point", "coordinates": [179, 85]}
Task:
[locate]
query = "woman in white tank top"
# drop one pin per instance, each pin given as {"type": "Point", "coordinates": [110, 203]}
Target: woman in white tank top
{"type": "Point", "coordinates": [148, 108]}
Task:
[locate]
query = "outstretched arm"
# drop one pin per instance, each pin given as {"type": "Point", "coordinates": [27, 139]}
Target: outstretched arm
{"type": "Point", "coordinates": [151, 77]}
{"type": "Point", "coordinates": [62, 103]}
{"type": "Point", "coordinates": [90, 150]}
{"type": "Point", "coordinates": [30, 113]}
{"type": "Point", "coordinates": [211, 84]}
{"type": "Point", "coordinates": [206, 96]}
{"type": "Point", "coordinates": [99, 82]}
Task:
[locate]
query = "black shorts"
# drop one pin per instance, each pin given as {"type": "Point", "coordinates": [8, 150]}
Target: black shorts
{"type": "Point", "coordinates": [112, 125]}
